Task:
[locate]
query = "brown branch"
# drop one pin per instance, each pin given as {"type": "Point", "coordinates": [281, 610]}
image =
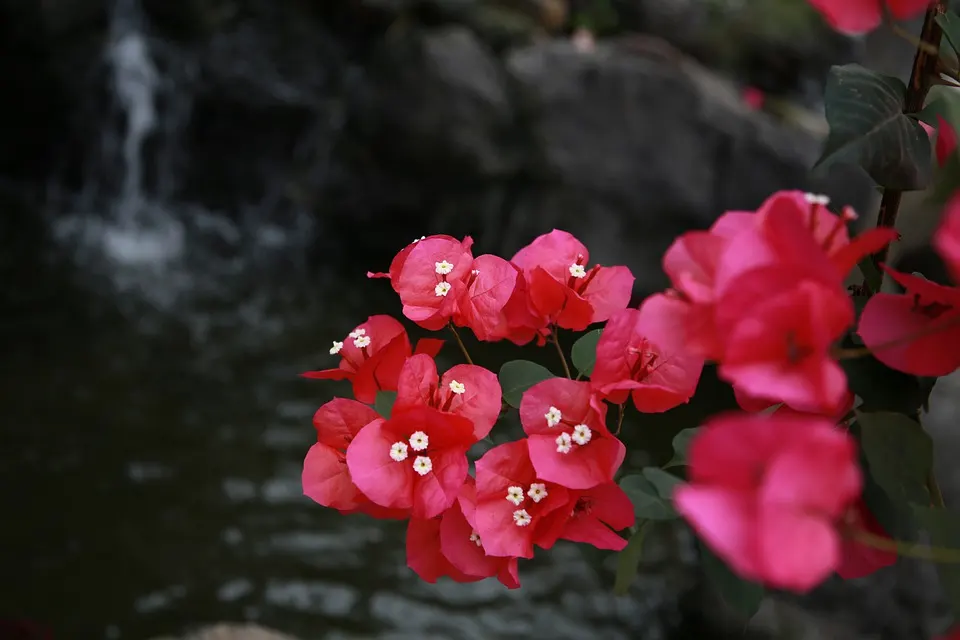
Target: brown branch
{"type": "Point", "coordinates": [921, 79]}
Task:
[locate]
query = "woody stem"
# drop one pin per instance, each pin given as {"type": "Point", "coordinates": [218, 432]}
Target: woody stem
{"type": "Point", "coordinates": [463, 347]}
{"type": "Point", "coordinates": [563, 359]}
{"type": "Point", "coordinates": [925, 64]}
{"type": "Point", "coordinates": [940, 555]}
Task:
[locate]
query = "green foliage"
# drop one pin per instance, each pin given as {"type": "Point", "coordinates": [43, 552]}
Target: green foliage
{"type": "Point", "coordinates": [882, 388]}
{"type": "Point", "coordinates": [741, 596]}
{"type": "Point", "coordinates": [869, 129]}
{"type": "Point", "coordinates": [651, 493]}
{"type": "Point", "coordinates": [950, 23]}
{"type": "Point", "coordinates": [584, 352]}
{"type": "Point", "coordinates": [681, 444]}
{"type": "Point", "coordinates": [900, 455]}
{"type": "Point", "coordinates": [384, 403]}
{"type": "Point", "coordinates": [517, 376]}
{"type": "Point", "coordinates": [943, 527]}
{"type": "Point", "coordinates": [628, 562]}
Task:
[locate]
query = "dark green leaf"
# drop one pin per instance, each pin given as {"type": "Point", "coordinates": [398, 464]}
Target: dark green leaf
{"type": "Point", "coordinates": [681, 444]}
{"type": "Point", "coordinates": [663, 481]}
{"type": "Point", "coordinates": [584, 352]}
{"type": "Point", "coordinates": [648, 503]}
{"type": "Point", "coordinates": [897, 519]}
{"type": "Point", "coordinates": [742, 596]}
{"type": "Point", "coordinates": [384, 403]}
{"type": "Point", "coordinates": [943, 526]}
{"type": "Point", "coordinates": [517, 376]}
{"type": "Point", "coordinates": [628, 560]}
{"type": "Point", "coordinates": [882, 388]}
{"type": "Point", "coordinates": [950, 23]}
{"type": "Point", "coordinates": [900, 454]}
{"type": "Point", "coordinates": [868, 128]}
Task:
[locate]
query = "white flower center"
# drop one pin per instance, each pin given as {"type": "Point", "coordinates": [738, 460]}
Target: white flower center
{"type": "Point", "coordinates": [553, 417]}
{"type": "Point", "coordinates": [423, 465]}
{"type": "Point", "coordinates": [475, 272]}
{"type": "Point", "coordinates": [457, 387]}
{"type": "Point", "coordinates": [361, 342]}
{"type": "Point", "coordinates": [577, 271]}
{"type": "Point", "coordinates": [521, 518]}
{"type": "Point", "coordinates": [356, 333]}
{"type": "Point", "coordinates": [817, 198]}
{"type": "Point", "coordinates": [582, 434]}
{"type": "Point", "coordinates": [537, 491]}
{"type": "Point", "coordinates": [475, 538]}
{"type": "Point", "coordinates": [335, 349]}
{"type": "Point", "coordinates": [443, 268]}
{"type": "Point", "coordinates": [419, 441]}
{"type": "Point", "coordinates": [399, 451]}
{"type": "Point", "coordinates": [564, 443]}
{"type": "Point", "coordinates": [442, 289]}
{"type": "Point", "coordinates": [515, 495]}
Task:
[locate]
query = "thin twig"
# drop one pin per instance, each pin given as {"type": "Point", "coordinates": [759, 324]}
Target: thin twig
{"type": "Point", "coordinates": [563, 359]}
{"type": "Point", "coordinates": [941, 555]}
{"type": "Point", "coordinates": [921, 78]}
{"type": "Point", "coordinates": [463, 347]}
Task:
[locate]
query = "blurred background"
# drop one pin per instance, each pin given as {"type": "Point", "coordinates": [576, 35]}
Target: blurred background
{"type": "Point", "coordinates": [191, 193]}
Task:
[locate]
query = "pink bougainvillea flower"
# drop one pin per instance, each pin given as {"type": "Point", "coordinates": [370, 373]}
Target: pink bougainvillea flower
{"type": "Point", "coordinates": [780, 348]}
{"type": "Point", "coordinates": [465, 390]}
{"type": "Point", "coordinates": [515, 508]}
{"type": "Point", "coordinates": [326, 479]}
{"type": "Point", "coordinates": [462, 546]}
{"type": "Point", "coordinates": [596, 514]}
{"type": "Point", "coordinates": [858, 560]}
{"type": "Point", "coordinates": [567, 436]}
{"type": "Point", "coordinates": [946, 139]}
{"type": "Point", "coordinates": [424, 555]}
{"type": "Point", "coordinates": [415, 460]}
{"type": "Point", "coordinates": [563, 290]}
{"type": "Point", "coordinates": [953, 634]}
{"type": "Point", "coordinates": [429, 275]}
{"type": "Point", "coordinates": [916, 332]}
{"type": "Point", "coordinates": [372, 355]}
{"type": "Point", "coordinates": [642, 354]}
{"type": "Point", "coordinates": [766, 493]}
{"type": "Point", "coordinates": [946, 240]}
{"type": "Point", "coordinates": [855, 17]}
{"type": "Point", "coordinates": [486, 291]}
{"type": "Point", "coordinates": [755, 404]}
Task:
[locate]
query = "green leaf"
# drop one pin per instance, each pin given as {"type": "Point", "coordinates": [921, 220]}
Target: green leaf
{"type": "Point", "coordinates": [663, 481]}
{"type": "Point", "coordinates": [868, 128]}
{"type": "Point", "coordinates": [383, 404]}
{"type": "Point", "coordinates": [946, 181]}
{"type": "Point", "coordinates": [646, 492]}
{"type": "Point", "coordinates": [517, 376]}
{"type": "Point", "coordinates": [882, 388]}
{"type": "Point", "coordinates": [896, 518]}
{"type": "Point", "coordinates": [943, 526]}
{"type": "Point", "coordinates": [742, 596]}
{"type": "Point", "coordinates": [628, 560]}
{"type": "Point", "coordinates": [584, 352]}
{"type": "Point", "coordinates": [950, 23]}
{"type": "Point", "coordinates": [900, 454]}
{"type": "Point", "coordinates": [681, 444]}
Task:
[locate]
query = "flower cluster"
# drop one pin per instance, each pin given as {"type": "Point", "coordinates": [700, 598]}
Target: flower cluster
{"type": "Point", "coordinates": [761, 294]}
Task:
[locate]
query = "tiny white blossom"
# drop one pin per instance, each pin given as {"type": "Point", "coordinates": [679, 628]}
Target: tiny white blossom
{"type": "Point", "coordinates": [582, 434]}
{"type": "Point", "coordinates": [577, 271]}
{"type": "Point", "coordinates": [361, 342]}
{"type": "Point", "coordinates": [335, 349]}
{"type": "Point", "coordinates": [419, 441]}
{"type": "Point", "coordinates": [475, 272]}
{"type": "Point", "coordinates": [423, 465]}
{"type": "Point", "coordinates": [457, 387]}
{"type": "Point", "coordinates": [553, 416]}
{"type": "Point", "coordinates": [356, 333]}
{"type": "Point", "coordinates": [515, 495]}
{"type": "Point", "coordinates": [521, 518]}
{"type": "Point", "coordinates": [442, 289]}
{"type": "Point", "coordinates": [816, 198]}
{"type": "Point", "coordinates": [537, 491]}
{"type": "Point", "coordinates": [475, 538]}
{"type": "Point", "coordinates": [564, 443]}
{"type": "Point", "coordinates": [443, 267]}
{"type": "Point", "coordinates": [399, 451]}
{"type": "Point", "coordinates": [416, 240]}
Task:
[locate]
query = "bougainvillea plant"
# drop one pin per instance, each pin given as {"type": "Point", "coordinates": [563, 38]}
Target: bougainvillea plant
{"type": "Point", "coordinates": [825, 469]}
